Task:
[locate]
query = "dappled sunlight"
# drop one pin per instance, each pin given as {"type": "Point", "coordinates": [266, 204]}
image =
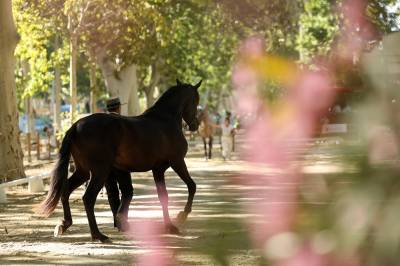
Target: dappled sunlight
{"type": "Point", "coordinates": [216, 198]}
{"type": "Point", "coordinates": [221, 199]}
{"type": "Point", "coordinates": [298, 99]}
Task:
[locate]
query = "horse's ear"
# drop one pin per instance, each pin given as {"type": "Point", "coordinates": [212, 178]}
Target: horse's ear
{"type": "Point", "coordinates": [178, 82]}
{"type": "Point", "coordinates": [198, 84]}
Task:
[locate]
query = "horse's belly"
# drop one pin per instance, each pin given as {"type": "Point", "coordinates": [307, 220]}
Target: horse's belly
{"type": "Point", "coordinates": [138, 163]}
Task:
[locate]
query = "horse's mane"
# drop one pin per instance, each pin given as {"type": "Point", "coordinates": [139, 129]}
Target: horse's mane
{"type": "Point", "coordinates": [167, 99]}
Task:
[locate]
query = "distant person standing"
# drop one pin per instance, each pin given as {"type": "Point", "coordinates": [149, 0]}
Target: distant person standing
{"type": "Point", "coordinates": [117, 204]}
{"type": "Point", "coordinates": [228, 115]}
{"type": "Point", "coordinates": [226, 138]}
{"type": "Point", "coordinates": [87, 107]}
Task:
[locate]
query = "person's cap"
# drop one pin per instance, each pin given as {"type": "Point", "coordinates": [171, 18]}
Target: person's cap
{"type": "Point", "coordinates": [113, 103]}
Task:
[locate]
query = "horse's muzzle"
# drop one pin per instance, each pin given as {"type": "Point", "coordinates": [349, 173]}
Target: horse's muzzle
{"type": "Point", "coordinates": [194, 125]}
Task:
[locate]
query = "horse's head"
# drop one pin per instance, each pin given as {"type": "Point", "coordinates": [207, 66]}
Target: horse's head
{"type": "Point", "coordinates": [190, 107]}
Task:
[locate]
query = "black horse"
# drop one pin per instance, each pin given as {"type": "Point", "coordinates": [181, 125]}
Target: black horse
{"type": "Point", "coordinates": [151, 141]}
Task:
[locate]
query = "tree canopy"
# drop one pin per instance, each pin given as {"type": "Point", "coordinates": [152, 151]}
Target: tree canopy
{"type": "Point", "coordinates": [167, 39]}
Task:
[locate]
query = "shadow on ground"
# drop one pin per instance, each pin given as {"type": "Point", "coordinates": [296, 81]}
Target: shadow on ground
{"type": "Point", "coordinates": [215, 230]}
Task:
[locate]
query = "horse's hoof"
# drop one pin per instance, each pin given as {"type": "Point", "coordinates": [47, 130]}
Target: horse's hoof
{"type": "Point", "coordinates": [106, 241]}
{"type": "Point", "coordinates": [102, 238]}
{"type": "Point", "coordinates": [121, 222]}
{"type": "Point", "coordinates": [173, 230]}
{"type": "Point", "coordinates": [59, 230]}
{"type": "Point", "coordinates": [123, 225]}
{"type": "Point", "coordinates": [182, 217]}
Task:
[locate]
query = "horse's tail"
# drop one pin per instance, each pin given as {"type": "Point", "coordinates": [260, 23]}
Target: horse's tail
{"type": "Point", "coordinates": [60, 175]}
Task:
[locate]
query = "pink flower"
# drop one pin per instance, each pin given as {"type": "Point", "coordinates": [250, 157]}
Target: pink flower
{"type": "Point", "coordinates": [148, 234]}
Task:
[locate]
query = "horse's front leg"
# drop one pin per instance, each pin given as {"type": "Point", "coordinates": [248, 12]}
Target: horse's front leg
{"type": "Point", "coordinates": [159, 179]}
{"type": "Point", "coordinates": [181, 169]}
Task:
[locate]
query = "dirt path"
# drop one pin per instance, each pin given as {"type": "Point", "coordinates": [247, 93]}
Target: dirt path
{"type": "Point", "coordinates": [214, 224]}
{"type": "Point", "coordinates": [215, 229]}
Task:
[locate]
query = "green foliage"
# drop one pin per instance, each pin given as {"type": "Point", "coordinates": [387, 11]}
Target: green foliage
{"type": "Point", "coordinates": [385, 19]}
{"type": "Point", "coordinates": [201, 46]}
{"type": "Point", "coordinates": [32, 51]}
{"type": "Point", "coordinates": [191, 40]}
{"type": "Point", "coordinates": [318, 26]}
{"type": "Point", "coordinates": [66, 124]}
{"type": "Point", "coordinates": [122, 29]}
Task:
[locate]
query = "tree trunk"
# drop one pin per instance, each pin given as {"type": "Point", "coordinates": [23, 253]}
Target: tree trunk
{"type": "Point", "coordinates": [149, 92]}
{"type": "Point", "coordinates": [30, 120]}
{"type": "Point", "coordinates": [11, 156]}
{"type": "Point", "coordinates": [57, 92]}
{"type": "Point", "coordinates": [30, 123]}
{"type": "Point", "coordinates": [93, 88]}
{"type": "Point", "coordinates": [129, 77]}
{"type": "Point", "coordinates": [123, 85]}
{"type": "Point", "coordinates": [155, 79]}
{"type": "Point", "coordinates": [72, 76]}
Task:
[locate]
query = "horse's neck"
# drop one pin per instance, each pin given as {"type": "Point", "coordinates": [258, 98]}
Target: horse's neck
{"type": "Point", "coordinates": [206, 120]}
{"type": "Point", "coordinates": [205, 130]}
{"type": "Point", "coordinates": [167, 110]}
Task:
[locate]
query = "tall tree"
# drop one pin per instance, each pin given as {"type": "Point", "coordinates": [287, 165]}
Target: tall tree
{"type": "Point", "coordinates": [115, 36]}
{"type": "Point", "coordinates": [11, 164]}
{"type": "Point", "coordinates": [201, 46]}
{"type": "Point", "coordinates": [41, 46]}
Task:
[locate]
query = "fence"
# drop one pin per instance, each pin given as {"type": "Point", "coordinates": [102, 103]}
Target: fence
{"type": "Point", "coordinates": [35, 143]}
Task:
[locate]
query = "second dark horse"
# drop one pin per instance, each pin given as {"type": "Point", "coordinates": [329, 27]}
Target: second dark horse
{"type": "Point", "coordinates": [152, 141]}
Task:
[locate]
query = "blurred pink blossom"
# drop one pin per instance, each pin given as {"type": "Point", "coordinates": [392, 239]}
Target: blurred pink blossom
{"type": "Point", "coordinates": [275, 138]}
{"type": "Point", "coordinates": [148, 234]}
{"type": "Point", "coordinates": [356, 29]}
{"type": "Point", "coordinates": [305, 257]}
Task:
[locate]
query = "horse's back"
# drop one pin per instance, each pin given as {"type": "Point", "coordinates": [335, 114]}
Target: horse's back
{"type": "Point", "coordinates": [131, 143]}
{"type": "Point", "coordinates": [96, 136]}
{"type": "Point", "coordinates": [154, 137]}
{"type": "Point", "coordinates": [98, 125]}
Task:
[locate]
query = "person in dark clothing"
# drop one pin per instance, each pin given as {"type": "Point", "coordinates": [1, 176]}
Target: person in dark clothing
{"type": "Point", "coordinates": [118, 179]}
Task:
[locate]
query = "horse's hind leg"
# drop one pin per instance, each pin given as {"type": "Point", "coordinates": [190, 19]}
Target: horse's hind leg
{"type": "Point", "coordinates": [89, 199]}
{"type": "Point", "coordinates": [205, 147]}
{"type": "Point", "coordinates": [181, 169]}
{"type": "Point", "coordinates": [210, 144]}
{"type": "Point", "coordinates": [76, 180]}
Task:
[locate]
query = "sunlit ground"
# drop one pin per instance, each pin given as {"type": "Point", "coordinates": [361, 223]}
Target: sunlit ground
{"type": "Point", "coordinates": [216, 225]}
